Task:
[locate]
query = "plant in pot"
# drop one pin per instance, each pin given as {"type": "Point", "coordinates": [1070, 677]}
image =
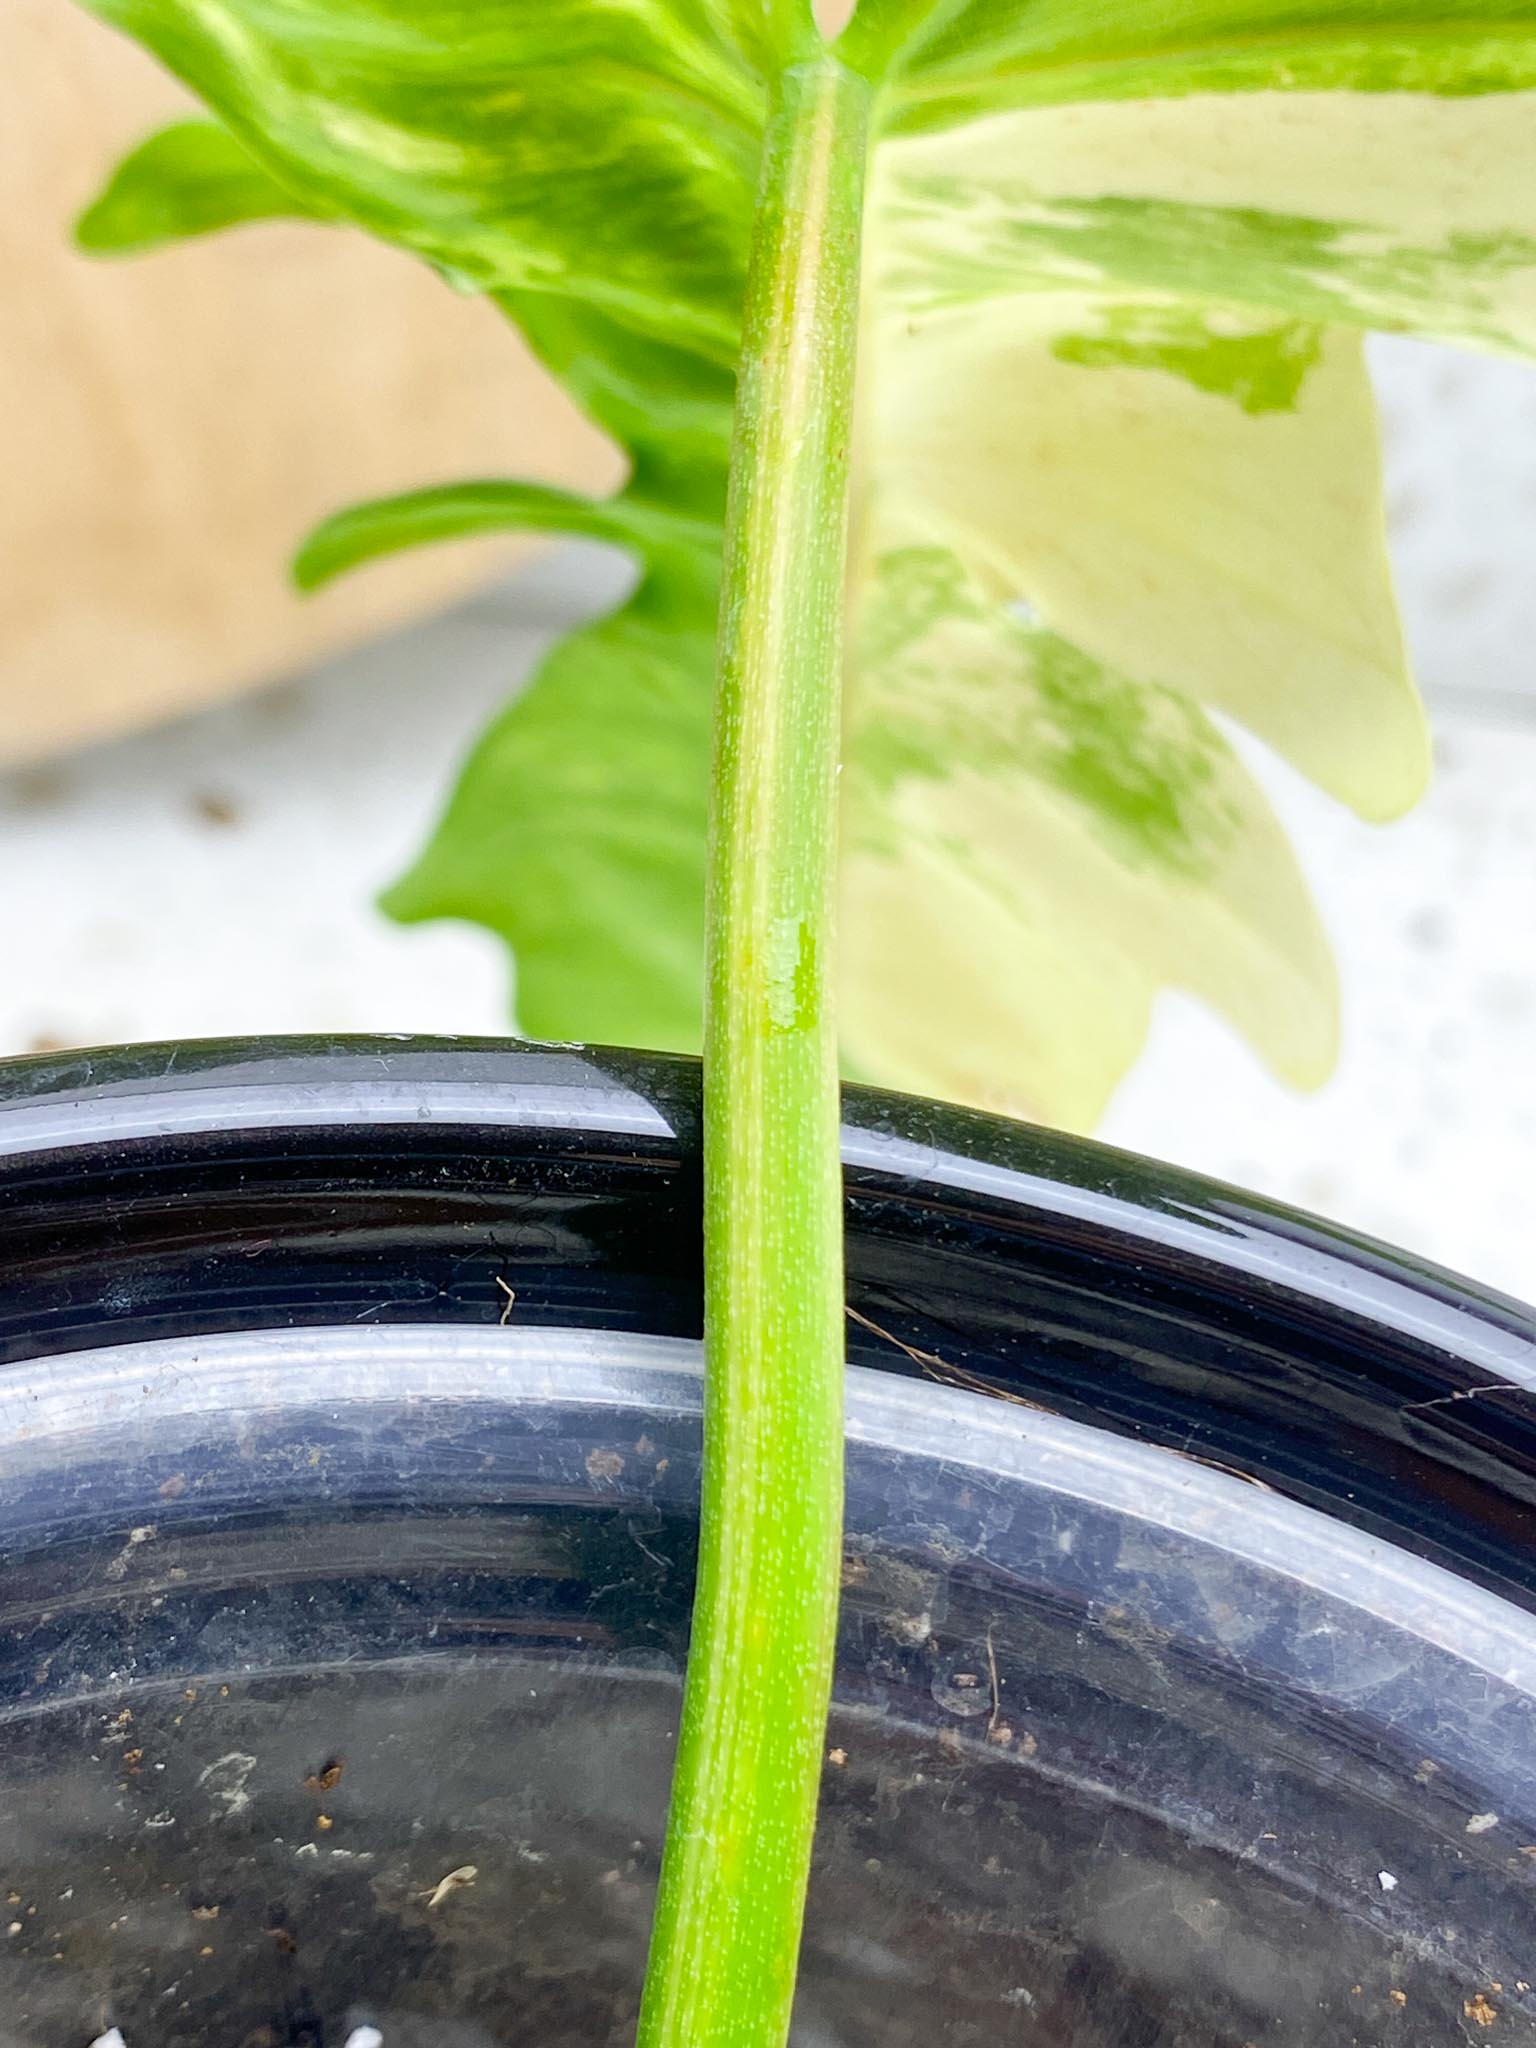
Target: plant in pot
{"type": "Point", "coordinates": [992, 374]}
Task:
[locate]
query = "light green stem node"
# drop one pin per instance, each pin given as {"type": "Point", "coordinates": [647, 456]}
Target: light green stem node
{"type": "Point", "coordinates": [731, 1901]}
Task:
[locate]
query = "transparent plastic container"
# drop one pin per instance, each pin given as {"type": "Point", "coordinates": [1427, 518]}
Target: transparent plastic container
{"type": "Point", "coordinates": [348, 1474]}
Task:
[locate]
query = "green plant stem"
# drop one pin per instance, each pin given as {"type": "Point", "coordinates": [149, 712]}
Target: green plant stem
{"type": "Point", "coordinates": [732, 1895]}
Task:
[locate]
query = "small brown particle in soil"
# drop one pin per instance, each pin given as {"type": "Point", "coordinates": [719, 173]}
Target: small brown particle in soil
{"type": "Point", "coordinates": [1398, 1997]}
{"type": "Point", "coordinates": [174, 1487]}
{"type": "Point", "coordinates": [1479, 2011]}
{"type": "Point", "coordinates": [838, 1757]}
{"type": "Point", "coordinates": [205, 1951]}
{"type": "Point", "coordinates": [328, 1777]}
{"type": "Point", "coordinates": [324, 1823]}
{"type": "Point", "coordinates": [132, 1758]}
{"type": "Point", "coordinates": [285, 1942]}
{"type": "Point", "coordinates": [1027, 1744]}
{"type": "Point", "coordinates": [604, 1464]}
{"type": "Point", "coordinates": [1000, 1733]}
{"type": "Point", "coordinates": [205, 1912]}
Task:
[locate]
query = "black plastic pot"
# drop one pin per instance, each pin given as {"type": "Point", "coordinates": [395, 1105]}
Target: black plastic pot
{"type": "Point", "coordinates": [348, 1459]}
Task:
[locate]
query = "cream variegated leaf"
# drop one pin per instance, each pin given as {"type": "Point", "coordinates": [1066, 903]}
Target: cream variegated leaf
{"type": "Point", "coordinates": [1186, 491]}
{"type": "Point", "coordinates": [1407, 212]}
{"type": "Point", "coordinates": [1114, 431]}
{"type": "Point", "coordinates": [1021, 819]}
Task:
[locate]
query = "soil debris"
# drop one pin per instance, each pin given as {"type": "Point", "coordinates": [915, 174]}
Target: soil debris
{"type": "Point", "coordinates": [225, 1780]}
{"type": "Point", "coordinates": [118, 1568]}
{"type": "Point", "coordinates": [456, 1880]}
{"type": "Point", "coordinates": [1479, 2011]}
{"type": "Point", "coordinates": [994, 1719]}
{"type": "Point", "coordinates": [328, 1777]}
{"type": "Point", "coordinates": [960, 1376]}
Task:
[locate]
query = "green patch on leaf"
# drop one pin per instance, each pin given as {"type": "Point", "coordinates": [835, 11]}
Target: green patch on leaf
{"type": "Point", "coordinates": [1261, 371]}
{"type": "Point", "coordinates": [944, 680]}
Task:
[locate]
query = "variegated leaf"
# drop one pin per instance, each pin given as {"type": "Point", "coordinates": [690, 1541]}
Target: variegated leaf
{"type": "Point", "coordinates": [1116, 465]}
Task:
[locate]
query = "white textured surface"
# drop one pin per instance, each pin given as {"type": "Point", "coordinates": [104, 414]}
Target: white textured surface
{"type": "Point", "coordinates": [217, 876]}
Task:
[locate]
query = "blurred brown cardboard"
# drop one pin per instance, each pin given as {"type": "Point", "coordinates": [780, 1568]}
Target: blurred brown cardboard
{"type": "Point", "coordinates": [171, 424]}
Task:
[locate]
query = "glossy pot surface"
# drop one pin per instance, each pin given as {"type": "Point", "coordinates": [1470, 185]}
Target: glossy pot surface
{"type": "Point", "coordinates": [348, 1474]}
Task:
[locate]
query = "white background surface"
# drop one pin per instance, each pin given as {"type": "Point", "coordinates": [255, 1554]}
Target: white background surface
{"type": "Point", "coordinates": [218, 875]}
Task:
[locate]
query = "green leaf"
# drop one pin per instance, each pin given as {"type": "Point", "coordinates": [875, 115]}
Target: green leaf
{"type": "Point", "coordinates": [189, 179]}
{"type": "Point", "coordinates": [962, 58]}
{"type": "Point", "coordinates": [384, 526]}
{"type": "Point", "coordinates": [589, 860]}
{"type": "Point", "coordinates": [604, 152]}
{"type": "Point", "coordinates": [1118, 261]}
{"type": "Point", "coordinates": [669, 407]}
{"type": "Point", "coordinates": [769, 34]}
